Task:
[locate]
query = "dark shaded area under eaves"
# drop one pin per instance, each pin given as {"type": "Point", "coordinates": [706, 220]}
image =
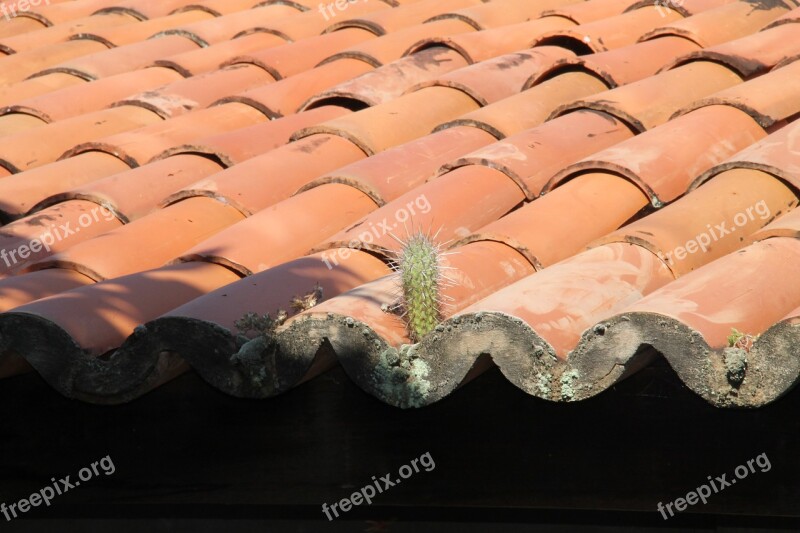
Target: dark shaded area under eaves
{"type": "Point", "coordinates": [186, 452]}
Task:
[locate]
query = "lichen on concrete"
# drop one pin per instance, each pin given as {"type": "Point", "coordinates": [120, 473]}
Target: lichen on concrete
{"type": "Point", "coordinates": [735, 365]}
{"type": "Point", "coordinates": [401, 376]}
{"type": "Point", "coordinates": [568, 379]}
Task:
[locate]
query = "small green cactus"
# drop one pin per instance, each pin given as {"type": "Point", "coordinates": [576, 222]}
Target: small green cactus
{"type": "Point", "coordinates": [420, 278]}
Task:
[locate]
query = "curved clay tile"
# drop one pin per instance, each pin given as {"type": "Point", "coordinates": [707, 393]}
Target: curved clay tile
{"type": "Point", "coordinates": [627, 64]}
{"type": "Point", "coordinates": [589, 11]}
{"type": "Point", "coordinates": [609, 33]}
{"type": "Point", "coordinates": [752, 55]}
{"type": "Point", "coordinates": [285, 169]}
{"type": "Point", "coordinates": [222, 8]}
{"type": "Point", "coordinates": [725, 225]}
{"type": "Point", "coordinates": [286, 96]}
{"type": "Point", "coordinates": [21, 192]}
{"type": "Point", "coordinates": [36, 86]}
{"type": "Point", "coordinates": [85, 323]}
{"type": "Point", "coordinates": [20, 26]}
{"type": "Point", "coordinates": [23, 289]}
{"type": "Point", "coordinates": [199, 91]}
{"type": "Point", "coordinates": [17, 123]}
{"type": "Point", "coordinates": [94, 96]}
{"type": "Point", "coordinates": [388, 48]}
{"type": "Point", "coordinates": [391, 20]}
{"type": "Point", "coordinates": [583, 209]}
{"type": "Point", "coordinates": [62, 32]}
{"type": "Point", "coordinates": [530, 107]}
{"type": "Point", "coordinates": [533, 157]}
{"type": "Point", "coordinates": [691, 320]}
{"type": "Point", "coordinates": [137, 146]}
{"type": "Point", "coordinates": [499, 13]}
{"type": "Point", "coordinates": [132, 33]}
{"type": "Point", "coordinates": [769, 99]}
{"type": "Point", "coordinates": [400, 120]}
{"type": "Point", "coordinates": [203, 330]}
{"type": "Point", "coordinates": [265, 240]}
{"type": "Point", "coordinates": [387, 175]}
{"type": "Point", "coordinates": [287, 60]}
{"type": "Point", "coordinates": [164, 234]}
{"type": "Point", "coordinates": [233, 147]}
{"type": "Point", "coordinates": [19, 66]}
{"type": "Point", "coordinates": [786, 225]}
{"type": "Point", "coordinates": [494, 79]}
{"type": "Point", "coordinates": [136, 192]}
{"type": "Point", "coordinates": [40, 146]}
{"type": "Point", "coordinates": [477, 46]}
{"type": "Point", "coordinates": [312, 23]}
{"type": "Point", "coordinates": [791, 17]}
{"type": "Point", "coordinates": [29, 239]}
{"type": "Point", "coordinates": [65, 12]}
{"type": "Point", "coordinates": [147, 9]}
{"type": "Point", "coordinates": [222, 29]}
{"type": "Point", "coordinates": [778, 154]}
{"type": "Point", "coordinates": [708, 136]}
{"type": "Point", "coordinates": [723, 23]}
{"type": "Point", "coordinates": [652, 101]}
{"type": "Point", "coordinates": [109, 62]}
{"type": "Point", "coordinates": [198, 61]}
{"type": "Point", "coordinates": [390, 81]}
{"type": "Point", "coordinates": [452, 206]}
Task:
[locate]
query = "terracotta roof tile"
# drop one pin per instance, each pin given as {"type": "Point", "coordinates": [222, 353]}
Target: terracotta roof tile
{"type": "Point", "coordinates": [500, 77]}
{"type": "Point", "coordinates": [585, 12]}
{"type": "Point", "coordinates": [188, 223]}
{"type": "Point", "coordinates": [83, 98]}
{"type": "Point", "coordinates": [711, 134]}
{"type": "Point", "coordinates": [33, 148]}
{"type": "Point", "coordinates": [287, 60]}
{"type": "Point", "coordinates": [753, 54]}
{"type": "Point", "coordinates": [765, 98]}
{"type": "Point", "coordinates": [195, 61]}
{"type": "Point", "coordinates": [137, 146]}
{"type": "Point", "coordinates": [380, 127]}
{"type": "Point", "coordinates": [288, 95]}
{"type": "Point", "coordinates": [390, 20]}
{"type": "Point", "coordinates": [501, 13]}
{"type": "Point", "coordinates": [119, 60]}
{"type": "Point", "coordinates": [390, 81]}
{"type": "Point", "coordinates": [62, 32]}
{"type": "Point", "coordinates": [224, 28]}
{"type": "Point", "coordinates": [723, 23]}
{"type": "Point", "coordinates": [629, 63]}
{"type": "Point", "coordinates": [486, 44]}
{"type": "Point", "coordinates": [649, 102]}
{"type": "Point", "coordinates": [609, 33]}
{"type": "Point", "coordinates": [388, 48]}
